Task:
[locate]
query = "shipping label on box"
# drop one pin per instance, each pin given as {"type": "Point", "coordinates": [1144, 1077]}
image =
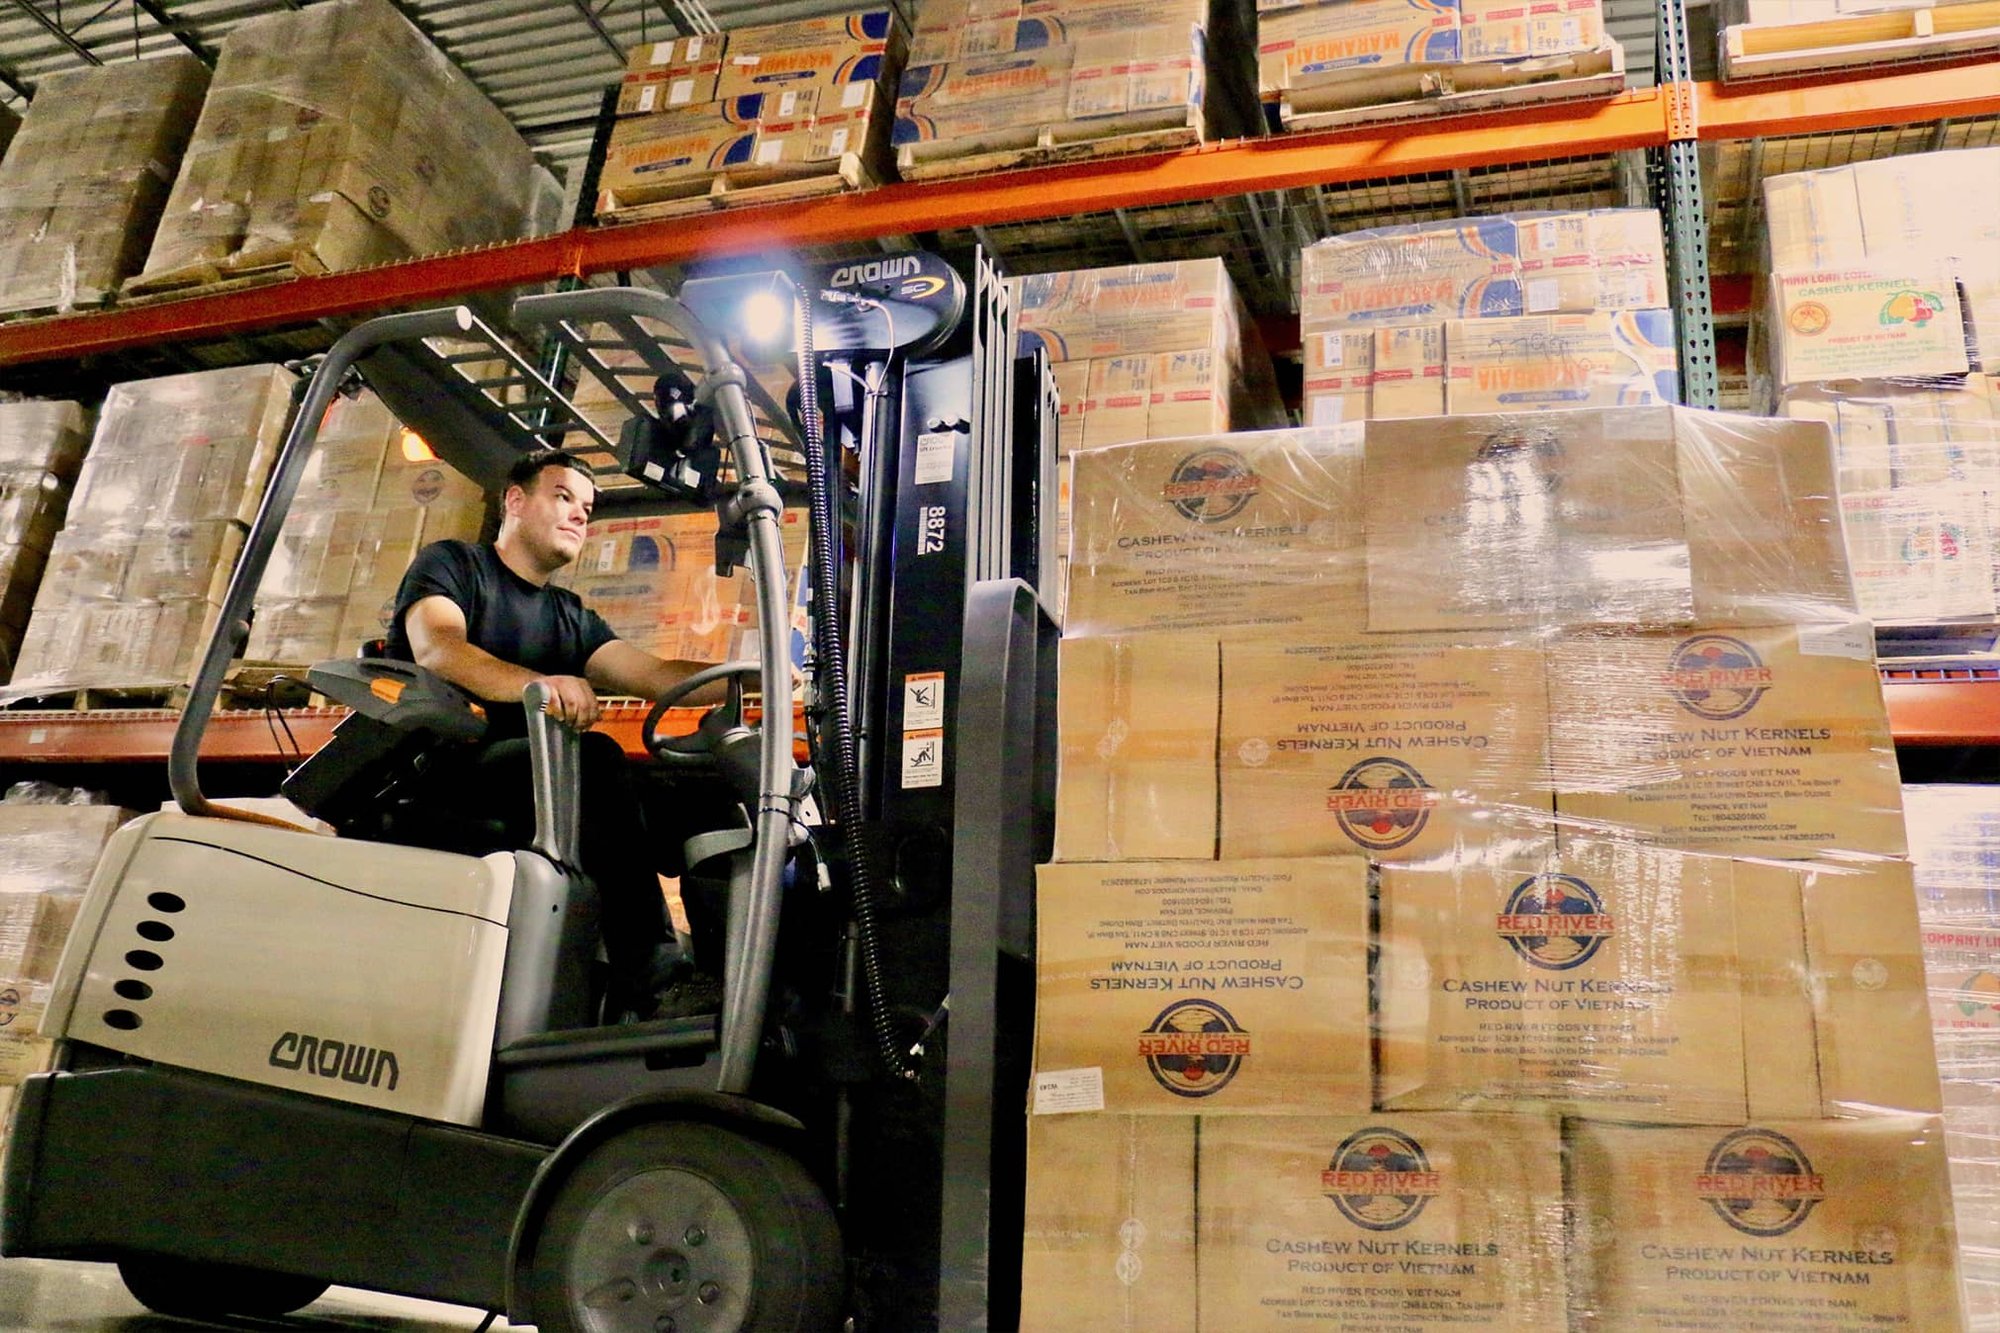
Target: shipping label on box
{"type": "Point", "coordinates": [1136, 722]}
{"type": "Point", "coordinates": [1754, 740]}
{"type": "Point", "coordinates": [1495, 522]}
{"type": "Point", "coordinates": [1408, 379]}
{"type": "Point", "coordinates": [1606, 982]}
{"type": "Point", "coordinates": [1832, 1224]}
{"type": "Point", "coordinates": [664, 89]}
{"type": "Point", "coordinates": [1869, 321]}
{"type": "Point", "coordinates": [1404, 275]}
{"type": "Point", "coordinates": [1625, 359]}
{"type": "Point", "coordinates": [1176, 987]}
{"type": "Point", "coordinates": [1381, 1222]}
{"type": "Point", "coordinates": [1315, 42]}
{"type": "Point", "coordinates": [1261, 528]}
{"type": "Point", "coordinates": [1399, 746]}
{"type": "Point", "coordinates": [1108, 1235]}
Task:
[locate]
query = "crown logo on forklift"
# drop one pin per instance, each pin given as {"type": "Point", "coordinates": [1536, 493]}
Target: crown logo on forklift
{"type": "Point", "coordinates": [331, 1059]}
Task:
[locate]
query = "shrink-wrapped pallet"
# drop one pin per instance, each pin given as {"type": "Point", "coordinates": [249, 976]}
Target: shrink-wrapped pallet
{"type": "Point", "coordinates": [41, 446]}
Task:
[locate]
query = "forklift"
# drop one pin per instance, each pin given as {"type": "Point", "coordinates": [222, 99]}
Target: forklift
{"type": "Point", "coordinates": [286, 1060]}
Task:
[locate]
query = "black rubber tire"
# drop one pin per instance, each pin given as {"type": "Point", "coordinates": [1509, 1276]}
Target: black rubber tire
{"type": "Point", "coordinates": [193, 1290]}
{"type": "Point", "coordinates": [794, 1280]}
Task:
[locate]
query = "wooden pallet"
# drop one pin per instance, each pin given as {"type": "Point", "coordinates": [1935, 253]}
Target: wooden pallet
{"type": "Point", "coordinates": [1040, 146]}
{"type": "Point", "coordinates": [255, 268]}
{"type": "Point", "coordinates": [93, 698]}
{"type": "Point", "coordinates": [268, 685]}
{"type": "Point", "coordinates": [1773, 50]}
{"type": "Point", "coordinates": [736, 188]}
{"type": "Point", "coordinates": [50, 310]}
{"type": "Point", "coordinates": [1424, 92]}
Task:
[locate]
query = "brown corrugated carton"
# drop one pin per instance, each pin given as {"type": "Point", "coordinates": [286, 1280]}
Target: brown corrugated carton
{"type": "Point", "coordinates": [671, 152]}
{"type": "Point", "coordinates": [1127, 309]}
{"type": "Point", "coordinates": [1136, 722]}
{"type": "Point", "coordinates": [843, 56]}
{"type": "Point", "coordinates": [1514, 29]}
{"type": "Point", "coordinates": [660, 76]}
{"type": "Point", "coordinates": [1380, 1222]}
{"type": "Point", "coordinates": [1402, 746]}
{"type": "Point", "coordinates": [1108, 1241]}
{"type": "Point", "coordinates": [1602, 259]}
{"type": "Point", "coordinates": [1409, 374]}
{"type": "Point", "coordinates": [1606, 982]}
{"type": "Point", "coordinates": [1872, 1015]}
{"type": "Point", "coordinates": [1868, 320]}
{"type": "Point", "coordinates": [1311, 44]}
{"type": "Point", "coordinates": [1812, 220]}
{"type": "Point", "coordinates": [1260, 528]}
{"type": "Point", "coordinates": [1626, 358]}
{"type": "Point", "coordinates": [1835, 1225]}
{"type": "Point", "coordinates": [1119, 397]}
{"type": "Point", "coordinates": [1748, 740]}
{"type": "Point", "coordinates": [1340, 367]}
{"type": "Point", "coordinates": [1461, 269]}
{"type": "Point", "coordinates": [1189, 393]}
{"type": "Point", "coordinates": [1231, 987]}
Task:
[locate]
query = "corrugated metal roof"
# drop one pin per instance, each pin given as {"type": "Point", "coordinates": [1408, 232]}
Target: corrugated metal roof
{"type": "Point", "coordinates": [545, 63]}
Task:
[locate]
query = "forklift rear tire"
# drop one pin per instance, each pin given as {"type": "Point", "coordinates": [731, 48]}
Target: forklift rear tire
{"type": "Point", "coordinates": [192, 1290]}
{"type": "Point", "coordinates": [690, 1227]}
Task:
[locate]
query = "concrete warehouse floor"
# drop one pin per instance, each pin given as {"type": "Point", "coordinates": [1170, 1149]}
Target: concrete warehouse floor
{"type": "Point", "coordinates": [49, 1296]}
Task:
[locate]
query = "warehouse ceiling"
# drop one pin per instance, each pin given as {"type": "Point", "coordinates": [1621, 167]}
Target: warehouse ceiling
{"type": "Point", "coordinates": [545, 63]}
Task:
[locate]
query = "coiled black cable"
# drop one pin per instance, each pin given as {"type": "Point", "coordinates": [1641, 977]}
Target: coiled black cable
{"type": "Point", "coordinates": [830, 681]}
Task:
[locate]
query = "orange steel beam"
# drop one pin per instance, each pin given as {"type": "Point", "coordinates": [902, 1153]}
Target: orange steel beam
{"type": "Point", "coordinates": [1943, 712]}
{"type": "Point", "coordinates": [1818, 106]}
{"type": "Point", "coordinates": [1629, 120]}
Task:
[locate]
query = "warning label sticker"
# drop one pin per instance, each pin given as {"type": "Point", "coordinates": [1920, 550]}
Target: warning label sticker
{"type": "Point", "coordinates": [923, 758]}
{"type": "Point", "coordinates": [923, 701]}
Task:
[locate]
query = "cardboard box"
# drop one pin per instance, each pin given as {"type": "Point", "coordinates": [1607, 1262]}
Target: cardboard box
{"type": "Point", "coordinates": [1126, 309]}
{"type": "Point", "coordinates": [1768, 740]}
{"type": "Point", "coordinates": [1921, 554]}
{"type": "Point", "coordinates": [1871, 1010]}
{"type": "Point", "coordinates": [1606, 982]}
{"type": "Point", "coordinates": [662, 75]}
{"type": "Point", "coordinates": [1408, 378]}
{"type": "Point", "coordinates": [1260, 528]}
{"type": "Point", "coordinates": [1494, 522]}
{"type": "Point", "coordinates": [1867, 321]}
{"type": "Point", "coordinates": [1145, 68]}
{"type": "Point", "coordinates": [1120, 397]}
{"type": "Point", "coordinates": [1398, 746]}
{"type": "Point", "coordinates": [1405, 1222]}
{"type": "Point", "coordinates": [1136, 721]}
{"type": "Point", "coordinates": [1220, 987]}
{"type": "Point", "coordinates": [42, 436]}
{"type": "Point", "coordinates": [843, 56]}
{"type": "Point", "coordinates": [1402, 275]}
{"type": "Point", "coordinates": [1934, 204]}
{"type": "Point", "coordinates": [1073, 389]}
{"type": "Point", "coordinates": [1514, 29]}
{"type": "Point", "coordinates": [183, 560]}
{"type": "Point", "coordinates": [1108, 1241]}
{"type": "Point", "coordinates": [647, 154]}
{"type": "Point", "coordinates": [994, 101]}
{"type": "Point", "coordinates": [1812, 221]}
{"type": "Point", "coordinates": [1602, 259]}
{"type": "Point", "coordinates": [823, 138]}
{"type": "Point", "coordinates": [1628, 358]}
{"type": "Point", "coordinates": [1340, 366]}
{"type": "Point", "coordinates": [1833, 1225]}
{"type": "Point", "coordinates": [1309, 43]}
{"type": "Point", "coordinates": [1189, 394]}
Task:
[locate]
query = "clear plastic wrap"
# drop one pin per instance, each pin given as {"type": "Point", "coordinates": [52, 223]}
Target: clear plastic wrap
{"type": "Point", "coordinates": [1573, 711]}
{"type": "Point", "coordinates": [83, 186]}
{"type": "Point", "coordinates": [41, 445]}
{"type": "Point", "coordinates": [337, 136]}
{"type": "Point", "coordinates": [175, 470]}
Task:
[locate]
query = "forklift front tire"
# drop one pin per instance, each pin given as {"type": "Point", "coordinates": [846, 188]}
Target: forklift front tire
{"type": "Point", "coordinates": [688, 1226]}
{"type": "Point", "coordinates": [192, 1290]}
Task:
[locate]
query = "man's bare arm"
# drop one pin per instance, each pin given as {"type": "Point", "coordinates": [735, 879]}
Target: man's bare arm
{"type": "Point", "coordinates": [620, 668]}
{"type": "Point", "coordinates": [436, 627]}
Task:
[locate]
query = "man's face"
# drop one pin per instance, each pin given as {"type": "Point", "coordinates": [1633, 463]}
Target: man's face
{"type": "Point", "coordinates": [551, 514]}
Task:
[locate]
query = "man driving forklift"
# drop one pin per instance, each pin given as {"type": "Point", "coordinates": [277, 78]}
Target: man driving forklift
{"type": "Point", "coordinates": [486, 618]}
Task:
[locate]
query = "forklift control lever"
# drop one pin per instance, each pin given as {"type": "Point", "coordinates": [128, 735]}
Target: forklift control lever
{"type": "Point", "coordinates": [555, 753]}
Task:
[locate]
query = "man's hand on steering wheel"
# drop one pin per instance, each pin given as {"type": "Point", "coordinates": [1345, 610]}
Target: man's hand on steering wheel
{"type": "Point", "coordinates": [694, 749]}
{"type": "Point", "coordinates": [573, 702]}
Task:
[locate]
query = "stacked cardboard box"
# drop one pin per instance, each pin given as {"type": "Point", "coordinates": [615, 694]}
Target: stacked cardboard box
{"type": "Point", "coordinates": [10, 125]}
{"type": "Point", "coordinates": [333, 137]}
{"type": "Point", "coordinates": [1884, 323]}
{"type": "Point", "coordinates": [1953, 832]}
{"type": "Point", "coordinates": [803, 98]}
{"type": "Point", "coordinates": [373, 496]}
{"type": "Point", "coordinates": [1524, 312]}
{"type": "Point", "coordinates": [1464, 827]}
{"type": "Point", "coordinates": [47, 855]}
{"type": "Point", "coordinates": [41, 445]}
{"type": "Point", "coordinates": [1316, 55]}
{"type": "Point", "coordinates": [162, 502]}
{"type": "Point", "coordinates": [989, 76]}
{"type": "Point", "coordinates": [82, 188]}
{"type": "Point", "coordinates": [653, 579]}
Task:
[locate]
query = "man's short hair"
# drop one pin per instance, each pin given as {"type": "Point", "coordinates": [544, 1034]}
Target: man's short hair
{"type": "Point", "coordinates": [531, 465]}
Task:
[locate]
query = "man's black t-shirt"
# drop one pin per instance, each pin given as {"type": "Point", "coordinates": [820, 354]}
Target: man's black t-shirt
{"type": "Point", "coordinates": [547, 630]}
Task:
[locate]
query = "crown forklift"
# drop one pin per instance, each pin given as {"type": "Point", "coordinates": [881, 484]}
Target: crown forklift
{"type": "Point", "coordinates": [285, 1060]}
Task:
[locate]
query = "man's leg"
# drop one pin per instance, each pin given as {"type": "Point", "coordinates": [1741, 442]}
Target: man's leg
{"type": "Point", "coordinates": [619, 856]}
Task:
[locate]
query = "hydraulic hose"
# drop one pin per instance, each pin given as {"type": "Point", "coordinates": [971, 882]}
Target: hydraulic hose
{"type": "Point", "coordinates": [830, 681]}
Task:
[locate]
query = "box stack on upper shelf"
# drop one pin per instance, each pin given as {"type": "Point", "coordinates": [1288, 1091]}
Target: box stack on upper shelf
{"type": "Point", "coordinates": [1883, 321]}
{"type": "Point", "coordinates": [335, 137]}
{"type": "Point", "coordinates": [41, 446]}
{"type": "Point", "coordinates": [1479, 864]}
{"type": "Point", "coordinates": [133, 580]}
{"type": "Point", "coordinates": [787, 109]}
{"type": "Point", "coordinates": [1763, 39]}
{"type": "Point", "coordinates": [1520, 312]}
{"type": "Point", "coordinates": [10, 125]}
{"type": "Point", "coordinates": [994, 84]}
{"type": "Point", "coordinates": [373, 495]}
{"type": "Point", "coordinates": [1952, 836]}
{"type": "Point", "coordinates": [1323, 64]}
{"type": "Point", "coordinates": [82, 188]}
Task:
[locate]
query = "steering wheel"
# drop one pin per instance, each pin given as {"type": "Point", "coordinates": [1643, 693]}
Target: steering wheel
{"type": "Point", "coordinates": [695, 750]}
